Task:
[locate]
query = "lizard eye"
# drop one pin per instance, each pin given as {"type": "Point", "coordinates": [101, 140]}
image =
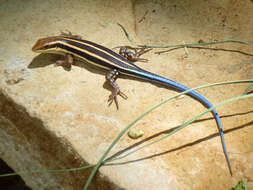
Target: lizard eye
{"type": "Point", "coordinates": [45, 47]}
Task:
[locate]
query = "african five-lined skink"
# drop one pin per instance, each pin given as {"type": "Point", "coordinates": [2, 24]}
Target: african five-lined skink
{"type": "Point", "coordinates": [70, 45]}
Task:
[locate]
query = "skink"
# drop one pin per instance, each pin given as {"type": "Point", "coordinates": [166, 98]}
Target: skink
{"type": "Point", "coordinates": [101, 56]}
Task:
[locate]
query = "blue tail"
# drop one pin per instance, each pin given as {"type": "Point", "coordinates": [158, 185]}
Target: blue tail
{"type": "Point", "coordinates": [170, 83]}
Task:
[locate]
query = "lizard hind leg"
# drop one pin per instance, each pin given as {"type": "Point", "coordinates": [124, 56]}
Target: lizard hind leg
{"type": "Point", "coordinates": [111, 77]}
{"type": "Point", "coordinates": [133, 54]}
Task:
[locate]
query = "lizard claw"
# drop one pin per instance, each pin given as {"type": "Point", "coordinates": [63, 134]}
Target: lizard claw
{"type": "Point", "coordinates": [114, 97]}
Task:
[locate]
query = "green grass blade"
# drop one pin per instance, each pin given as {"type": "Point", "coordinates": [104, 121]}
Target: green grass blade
{"type": "Point", "coordinates": [184, 125]}
{"type": "Point", "coordinates": [99, 163]}
{"type": "Point", "coordinates": [49, 171]}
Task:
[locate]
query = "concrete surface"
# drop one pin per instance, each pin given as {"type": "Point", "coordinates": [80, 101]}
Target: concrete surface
{"type": "Point", "coordinates": [53, 119]}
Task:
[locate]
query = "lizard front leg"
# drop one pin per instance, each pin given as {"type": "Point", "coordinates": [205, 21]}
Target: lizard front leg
{"type": "Point", "coordinates": [67, 62]}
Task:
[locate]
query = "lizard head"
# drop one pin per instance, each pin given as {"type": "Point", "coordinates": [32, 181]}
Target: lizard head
{"type": "Point", "coordinates": [46, 45]}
